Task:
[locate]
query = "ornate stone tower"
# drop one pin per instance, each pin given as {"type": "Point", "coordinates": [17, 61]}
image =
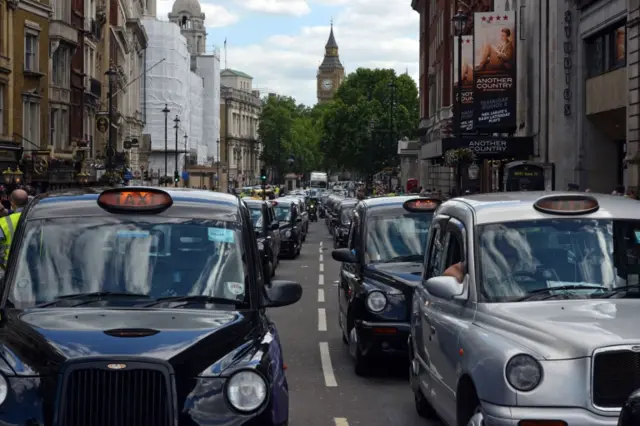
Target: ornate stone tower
{"type": "Point", "coordinates": [188, 15]}
{"type": "Point", "coordinates": [331, 72]}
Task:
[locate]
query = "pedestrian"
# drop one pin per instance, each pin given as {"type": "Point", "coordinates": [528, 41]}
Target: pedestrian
{"type": "Point", "coordinates": [19, 200]}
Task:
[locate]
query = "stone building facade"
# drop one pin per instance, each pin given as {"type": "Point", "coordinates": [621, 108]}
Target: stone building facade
{"type": "Point", "coordinates": [331, 72]}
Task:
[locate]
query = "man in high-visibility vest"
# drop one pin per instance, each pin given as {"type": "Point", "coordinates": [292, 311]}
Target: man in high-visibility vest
{"type": "Point", "coordinates": [19, 200]}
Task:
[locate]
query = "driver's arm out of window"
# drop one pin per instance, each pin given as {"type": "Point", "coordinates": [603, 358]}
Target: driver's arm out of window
{"type": "Point", "coordinates": [456, 271]}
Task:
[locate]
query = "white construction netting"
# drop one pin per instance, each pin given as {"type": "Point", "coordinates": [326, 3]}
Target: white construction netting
{"type": "Point", "coordinates": [209, 69]}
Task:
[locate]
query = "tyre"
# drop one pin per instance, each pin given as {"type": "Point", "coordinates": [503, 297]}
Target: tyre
{"type": "Point", "coordinates": [361, 364]}
{"type": "Point", "coordinates": [423, 407]}
{"type": "Point", "coordinates": [268, 270]}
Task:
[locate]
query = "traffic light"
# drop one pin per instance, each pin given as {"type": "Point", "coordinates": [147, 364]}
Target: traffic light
{"type": "Point", "coordinates": [263, 175]}
{"type": "Point", "coordinates": [146, 175]}
{"type": "Point", "coordinates": [176, 177]}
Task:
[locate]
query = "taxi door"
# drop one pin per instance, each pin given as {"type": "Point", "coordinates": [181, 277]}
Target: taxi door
{"type": "Point", "coordinates": [273, 231]}
{"type": "Point", "coordinates": [349, 276]}
{"type": "Point", "coordinates": [442, 322]}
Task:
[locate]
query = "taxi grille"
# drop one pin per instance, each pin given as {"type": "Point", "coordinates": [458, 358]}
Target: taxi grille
{"type": "Point", "coordinates": [616, 374]}
{"type": "Point", "coordinates": [101, 397]}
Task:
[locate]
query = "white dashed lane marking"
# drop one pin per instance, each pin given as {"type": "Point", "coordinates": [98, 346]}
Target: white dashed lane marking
{"type": "Point", "coordinates": [320, 295]}
{"type": "Point", "coordinates": [327, 367]}
{"type": "Point", "coordinates": [322, 319]}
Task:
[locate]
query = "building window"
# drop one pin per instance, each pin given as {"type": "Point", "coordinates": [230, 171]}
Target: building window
{"type": "Point", "coordinates": [59, 128]}
{"type": "Point", "coordinates": [89, 128]}
{"type": "Point", "coordinates": [30, 51]}
{"type": "Point", "coordinates": [61, 10]}
{"type": "Point", "coordinates": [31, 120]}
{"type": "Point", "coordinates": [89, 65]}
{"type": "Point", "coordinates": [607, 51]}
{"type": "Point", "coordinates": [61, 66]}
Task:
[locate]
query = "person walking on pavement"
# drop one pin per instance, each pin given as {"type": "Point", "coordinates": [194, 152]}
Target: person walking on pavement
{"type": "Point", "coordinates": [19, 200]}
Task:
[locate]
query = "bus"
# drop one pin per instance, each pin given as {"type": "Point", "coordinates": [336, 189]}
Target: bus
{"type": "Point", "coordinates": [318, 180]}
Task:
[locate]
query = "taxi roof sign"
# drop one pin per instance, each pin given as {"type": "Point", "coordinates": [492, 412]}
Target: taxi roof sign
{"type": "Point", "coordinates": [135, 200]}
{"type": "Point", "coordinates": [567, 204]}
{"type": "Point", "coordinates": [421, 204]}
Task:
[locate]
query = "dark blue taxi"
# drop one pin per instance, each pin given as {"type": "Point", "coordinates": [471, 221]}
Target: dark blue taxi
{"type": "Point", "coordinates": [134, 306]}
{"type": "Point", "coordinates": [380, 268]}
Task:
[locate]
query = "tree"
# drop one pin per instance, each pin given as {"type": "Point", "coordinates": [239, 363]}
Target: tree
{"type": "Point", "coordinates": [371, 111]}
{"type": "Point", "coordinates": [290, 130]}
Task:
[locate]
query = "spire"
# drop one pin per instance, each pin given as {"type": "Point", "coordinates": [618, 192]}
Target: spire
{"type": "Point", "coordinates": [331, 44]}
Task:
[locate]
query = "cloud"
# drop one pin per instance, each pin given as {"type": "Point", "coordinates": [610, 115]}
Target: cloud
{"type": "Point", "coordinates": [215, 15]}
{"type": "Point", "coordinates": [280, 7]}
{"type": "Point", "coordinates": [370, 33]}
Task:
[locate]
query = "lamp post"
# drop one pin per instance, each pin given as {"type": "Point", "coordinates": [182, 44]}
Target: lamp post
{"type": "Point", "coordinates": [166, 111]}
{"type": "Point", "coordinates": [238, 155]}
{"type": "Point", "coordinates": [175, 170]}
{"type": "Point", "coordinates": [392, 134]}
{"type": "Point", "coordinates": [9, 176]}
{"type": "Point", "coordinates": [185, 151]}
{"type": "Point", "coordinates": [111, 75]}
{"type": "Point", "coordinates": [218, 165]}
{"type": "Point", "coordinates": [369, 184]}
{"type": "Point", "coordinates": [459, 22]}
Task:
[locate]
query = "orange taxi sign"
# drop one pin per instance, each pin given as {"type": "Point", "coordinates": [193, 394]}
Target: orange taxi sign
{"type": "Point", "coordinates": [133, 199]}
{"type": "Point", "coordinates": [567, 204]}
{"type": "Point", "coordinates": [421, 204]}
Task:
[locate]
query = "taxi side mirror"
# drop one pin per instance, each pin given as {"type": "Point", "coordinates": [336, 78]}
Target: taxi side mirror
{"type": "Point", "coordinates": [282, 293]}
{"type": "Point", "coordinates": [298, 219]}
{"type": "Point", "coordinates": [274, 226]}
{"type": "Point", "coordinates": [343, 255]}
{"type": "Point", "coordinates": [447, 288]}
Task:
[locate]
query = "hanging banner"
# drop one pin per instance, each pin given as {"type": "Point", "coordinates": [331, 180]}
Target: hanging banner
{"type": "Point", "coordinates": [495, 73]}
{"type": "Point", "coordinates": [466, 117]}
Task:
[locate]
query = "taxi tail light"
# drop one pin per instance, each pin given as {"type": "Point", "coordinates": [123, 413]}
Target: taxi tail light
{"type": "Point", "coordinates": [135, 200]}
{"type": "Point", "coordinates": [567, 204]}
{"type": "Point", "coordinates": [421, 204]}
{"type": "Point", "coordinates": [274, 203]}
{"type": "Point", "coordinates": [131, 332]}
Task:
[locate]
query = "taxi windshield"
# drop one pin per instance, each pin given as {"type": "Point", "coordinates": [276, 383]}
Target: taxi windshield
{"type": "Point", "coordinates": [518, 259]}
{"type": "Point", "coordinates": [257, 219]}
{"type": "Point", "coordinates": [283, 213]}
{"type": "Point", "coordinates": [401, 237]}
{"type": "Point", "coordinates": [157, 257]}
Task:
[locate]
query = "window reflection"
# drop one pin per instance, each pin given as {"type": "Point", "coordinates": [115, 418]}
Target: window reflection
{"type": "Point", "coordinates": [157, 257]}
{"type": "Point", "coordinates": [390, 237]}
{"type": "Point", "coordinates": [520, 257]}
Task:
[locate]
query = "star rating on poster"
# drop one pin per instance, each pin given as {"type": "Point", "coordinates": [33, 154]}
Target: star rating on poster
{"type": "Point", "coordinates": [495, 18]}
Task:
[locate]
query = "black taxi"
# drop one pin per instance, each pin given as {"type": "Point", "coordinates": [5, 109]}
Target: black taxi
{"type": "Point", "coordinates": [380, 268]}
{"type": "Point", "coordinates": [289, 218]}
{"type": "Point", "coordinates": [343, 222]}
{"type": "Point", "coordinates": [140, 305]}
{"type": "Point", "coordinates": [267, 231]}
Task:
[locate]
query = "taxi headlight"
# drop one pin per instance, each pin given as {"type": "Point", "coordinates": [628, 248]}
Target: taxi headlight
{"type": "Point", "coordinates": [246, 391]}
{"type": "Point", "coordinates": [260, 246]}
{"type": "Point", "coordinates": [376, 301]}
{"type": "Point", "coordinates": [287, 233]}
{"type": "Point", "coordinates": [523, 372]}
{"type": "Point", "coordinates": [4, 388]}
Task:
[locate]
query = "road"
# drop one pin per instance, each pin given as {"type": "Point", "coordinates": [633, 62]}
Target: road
{"type": "Point", "coordinates": [324, 390]}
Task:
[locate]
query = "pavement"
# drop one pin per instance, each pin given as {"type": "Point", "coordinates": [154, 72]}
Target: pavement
{"type": "Point", "coordinates": [324, 389]}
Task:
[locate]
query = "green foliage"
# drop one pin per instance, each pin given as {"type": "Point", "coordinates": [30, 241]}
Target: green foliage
{"type": "Point", "coordinates": [287, 129]}
{"type": "Point", "coordinates": [361, 128]}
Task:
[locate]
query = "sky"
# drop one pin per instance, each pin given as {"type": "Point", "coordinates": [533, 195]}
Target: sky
{"type": "Point", "coordinates": [281, 42]}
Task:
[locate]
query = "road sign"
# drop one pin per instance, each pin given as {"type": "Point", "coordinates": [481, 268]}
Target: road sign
{"type": "Point", "coordinates": [142, 168]}
{"type": "Point", "coordinates": [128, 175]}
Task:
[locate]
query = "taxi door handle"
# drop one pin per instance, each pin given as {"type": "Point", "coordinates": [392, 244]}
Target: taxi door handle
{"type": "Point", "coordinates": [433, 329]}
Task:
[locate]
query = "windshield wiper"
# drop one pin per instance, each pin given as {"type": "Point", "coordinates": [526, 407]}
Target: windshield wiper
{"type": "Point", "coordinates": [405, 258]}
{"type": "Point", "coordinates": [540, 291]}
{"type": "Point", "coordinates": [191, 299]}
{"type": "Point", "coordinates": [96, 295]}
{"type": "Point", "coordinates": [619, 290]}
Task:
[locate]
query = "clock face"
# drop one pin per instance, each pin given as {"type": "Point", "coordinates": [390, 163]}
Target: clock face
{"type": "Point", "coordinates": [327, 84]}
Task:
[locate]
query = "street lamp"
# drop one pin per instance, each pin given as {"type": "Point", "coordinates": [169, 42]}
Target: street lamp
{"type": "Point", "coordinates": [185, 151]}
{"type": "Point", "coordinates": [218, 165]}
{"type": "Point", "coordinates": [10, 176]}
{"type": "Point", "coordinates": [176, 176]}
{"type": "Point", "coordinates": [111, 75]}
{"type": "Point", "coordinates": [369, 183]}
{"type": "Point", "coordinates": [459, 22]}
{"type": "Point", "coordinates": [392, 100]}
{"type": "Point", "coordinates": [166, 111]}
{"type": "Point", "coordinates": [82, 178]}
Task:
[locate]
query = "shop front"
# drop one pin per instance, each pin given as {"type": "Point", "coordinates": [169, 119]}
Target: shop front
{"type": "Point", "coordinates": [477, 163]}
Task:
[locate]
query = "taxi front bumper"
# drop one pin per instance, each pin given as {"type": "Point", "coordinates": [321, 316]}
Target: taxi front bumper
{"type": "Point", "coordinates": [497, 415]}
{"type": "Point", "coordinates": [200, 402]}
{"type": "Point", "coordinates": [383, 339]}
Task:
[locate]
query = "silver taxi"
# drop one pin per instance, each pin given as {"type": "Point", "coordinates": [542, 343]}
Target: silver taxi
{"type": "Point", "coordinates": [529, 309]}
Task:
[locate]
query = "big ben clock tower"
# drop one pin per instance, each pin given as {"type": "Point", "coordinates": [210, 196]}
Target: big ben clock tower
{"type": "Point", "coordinates": [331, 72]}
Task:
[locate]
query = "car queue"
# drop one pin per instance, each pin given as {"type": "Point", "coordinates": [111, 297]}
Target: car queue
{"type": "Point", "coordinates": [512, 309]}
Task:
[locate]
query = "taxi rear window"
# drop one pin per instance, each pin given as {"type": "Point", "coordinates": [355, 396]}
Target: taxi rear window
{"type": "Point", "coordinates": [155, 256]}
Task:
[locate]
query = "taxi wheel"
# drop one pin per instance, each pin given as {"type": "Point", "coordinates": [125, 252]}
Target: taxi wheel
{"type": "Point", "coordinates": [361, 365]}
{"type": "Point", "coordinates": [345, 340]}
{"type": "Point", "coordinates": [423, 407]}
{"type": "Point", "coordinates": [268, 270]}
